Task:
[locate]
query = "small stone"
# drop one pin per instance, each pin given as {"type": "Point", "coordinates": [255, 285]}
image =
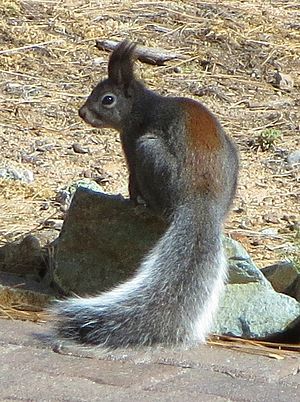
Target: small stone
{"type": "Point", "coordinates": [45, 206]}
{"type": "Point", "coordinates": [63, 197]}
{"type": "Point", "coordinates": [54, 224]}
{"type": "Point", "coordinates": [281, 275]}
{"type": "Point", "coordinates": [87, 174]}
{"type": "Point", "coordinates": [239, 210]}
{"type": "Point", "coordinates": [23, 257]}
{"type": "Point", "coordinates": [256, 242]}
{"type": "Point", "coordinates": [45, 148]}
{"type": "Point", "coordinates": [241, 267]}
{"type": "Point", "coordinates": [294, 158]}
{"type": "Point", "coordinates": [283, 81]}
{"type": "Point", "coordinates": [269, 232]}
{"type": "Point", "coordinates": [177, 70]}
{"type": "Point", "coordinates": [270, 217]}
{"type": "Point", "coordinates": [98, 60]}
{"type": "Point", "coordinates": [245, 224]}
{"type": "Point", "coordinates": [294, 227]}
{"type": "Point", "coordinates": [25, 158]}
{"type": "Point", "coordinates": [13, 88]}
{"type": "Point", "coordinates": [23, 175]}
{"type": "Point", "coordinates": [79, 149]}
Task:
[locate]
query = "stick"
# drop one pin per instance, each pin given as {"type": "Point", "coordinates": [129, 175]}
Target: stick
{"type": "Point", "coordinates": [146, 55]}
{"type": "Point", "coordinates": [34, 45]}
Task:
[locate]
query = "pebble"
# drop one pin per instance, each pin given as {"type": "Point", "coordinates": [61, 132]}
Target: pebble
{"type": "Point", "coordinates": [270, 218]}
{"type": "Point", "coordinates": [177, 70]}
{"type": "Point", "coordinates": [269, 232]}
{"type": "Point", "coordinates": [283, 81]}
{"type": "Point", "coordinates": [54, 223]}
{"type": "Point", "coordinates": [294, 158]}
{"type": "Point", "coordinates": [79, 149]}
{"type": "Point", "coordinates": [24, 175]}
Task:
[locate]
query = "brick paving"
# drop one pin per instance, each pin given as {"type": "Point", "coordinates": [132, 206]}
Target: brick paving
{"type": "Point", "coordinates": [31, 371]}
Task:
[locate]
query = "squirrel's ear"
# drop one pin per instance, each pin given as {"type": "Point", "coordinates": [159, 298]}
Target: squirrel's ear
{"type": "Point", "coordinates": [120, 65]}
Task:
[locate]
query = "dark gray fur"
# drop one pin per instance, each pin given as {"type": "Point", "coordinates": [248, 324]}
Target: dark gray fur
{"type": "Point", "coordinates": [174, 294]}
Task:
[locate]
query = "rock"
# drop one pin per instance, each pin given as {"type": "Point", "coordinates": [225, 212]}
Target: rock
{"type": "Point", "coordinates": [269, 232]}
{"type": "Point", "coordinates": [294, 158]}
{"type": "Point", "coordinates": [294, 289]}
{"type": "Point", "coordinates": [43, 145]}
{"type": "Point", "coordinates": [254, 311]}
{"type": "Point", "coordinates": [270, 217]}
{"type": "Point", "coordinates": [241, 267]}
{"type": "Point", "coordinates": [111, 227]}
{"type": "Point", "coordinates": [297, 288]}
{"type": "Point", "coordinates": [283, 81]}
{"type": "Point", "coordinates": [102, 241]}
{"type": "Point", "coordinates": [64, 196]}
{"type": "Point", "coordinates": [79, 149]}
{"type": "Point", "coordinates": [281, 275]}
{"type": "Point", "coordinates": [23, 175]}
{"type": "Point", "coordinates": [98, 61]}
{"type": "Point", "coordinates": [22, 90]}
{"type": "Point", "coordinates": [23, 257]}
{"type": "Point", "coordinates": [56, 224]}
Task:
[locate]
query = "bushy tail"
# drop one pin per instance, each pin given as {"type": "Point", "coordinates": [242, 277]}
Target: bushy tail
{"type": "Point", "coordinates": [172, 297]}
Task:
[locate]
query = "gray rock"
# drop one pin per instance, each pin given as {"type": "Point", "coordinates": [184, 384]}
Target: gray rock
{"type": "Point", "coordinates": [297, 288]}
{"type": "Point", "coordinates": [283, 81]}
{"type": "Point", "coordinates": [102, 241]}
{"type": "Point", "coordinates": [269, 232]}
{"type": "Point", "coordinates": [23, 257]}
{"type": "Point", "coordinates": [79, 149]}
{"type": "Point", "coordinates": [294, 289]}
{"type": "Point", "coordinates": [281, 275]}
{"type": "Point", "coordinates": [254, 311]}
{"type": "Point", "coordinates": [241, 267]}
{"type": "Point", "coordinates": [64, 196]}
{"type": "Point", "coordinates": [294, 158]}
{"type": "Point", "coordinates": [99, 262]}
{"type": "Point", "coordinates": [23, 175]}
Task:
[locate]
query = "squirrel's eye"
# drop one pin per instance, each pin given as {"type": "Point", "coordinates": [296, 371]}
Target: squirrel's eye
{"type": "Point", "coordinates": [108, 100]}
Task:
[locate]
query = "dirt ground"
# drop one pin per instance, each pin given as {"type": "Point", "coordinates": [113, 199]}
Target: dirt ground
{"type": "Point", "coordinates": [231, 52]}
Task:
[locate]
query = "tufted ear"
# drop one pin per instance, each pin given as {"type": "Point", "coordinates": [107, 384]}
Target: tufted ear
{"type": "Point", "coordinates": [120, 65]}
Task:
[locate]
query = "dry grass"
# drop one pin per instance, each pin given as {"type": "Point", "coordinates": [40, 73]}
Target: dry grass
{"type": "Point", "coordinates": [273, 350]}
{"type": "Point", "coordinates": [48, 64]}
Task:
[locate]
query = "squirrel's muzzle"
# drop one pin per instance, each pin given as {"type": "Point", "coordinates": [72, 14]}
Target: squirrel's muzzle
{"type": "Point", "coordinates": [90, 117]}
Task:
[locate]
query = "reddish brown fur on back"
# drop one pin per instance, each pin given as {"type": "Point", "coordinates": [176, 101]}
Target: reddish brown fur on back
{"type": "Point", "coordinates": [201, 126]}
{"type": "Point", "coordinates": [204, 145]}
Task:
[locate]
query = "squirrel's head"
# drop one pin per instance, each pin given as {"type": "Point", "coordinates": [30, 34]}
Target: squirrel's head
{"type": "Point", "coordinates": [111, 100]}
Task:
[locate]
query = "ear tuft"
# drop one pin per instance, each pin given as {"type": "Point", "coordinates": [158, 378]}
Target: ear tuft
{"type": "Point", "coordinates": [120, 65]}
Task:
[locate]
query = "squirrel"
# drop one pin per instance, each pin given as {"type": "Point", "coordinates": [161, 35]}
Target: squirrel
{"type": "Point", "coordinates": [185, 168]}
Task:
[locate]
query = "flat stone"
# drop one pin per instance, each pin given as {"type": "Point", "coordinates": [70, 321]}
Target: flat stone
{"type": "Point", "coordinates": [254, 311]}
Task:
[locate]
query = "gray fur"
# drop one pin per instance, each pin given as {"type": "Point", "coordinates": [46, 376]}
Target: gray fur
{"type": "Point", "coordinates": [174, 294]}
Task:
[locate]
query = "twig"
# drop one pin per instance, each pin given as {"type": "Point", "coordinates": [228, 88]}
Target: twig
{"type": "Point", "coordinates": [146, 55]}
{"type": "Point", "coordinates": [33, 46]}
